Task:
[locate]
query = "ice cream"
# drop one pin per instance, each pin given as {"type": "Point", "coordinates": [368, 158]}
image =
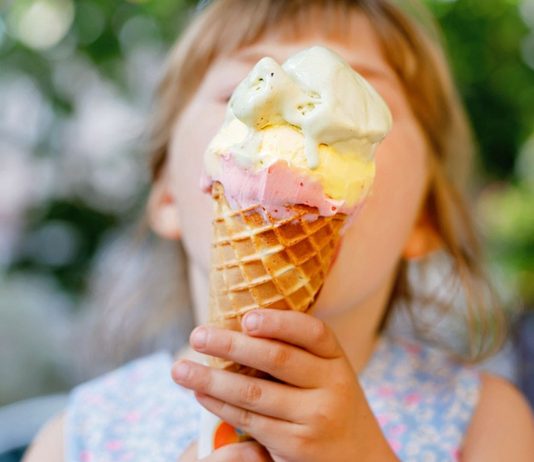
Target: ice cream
{"type": "Point", "coordinates": [292, 162]}
{"type": "Point", "coordinates": [301, 133]}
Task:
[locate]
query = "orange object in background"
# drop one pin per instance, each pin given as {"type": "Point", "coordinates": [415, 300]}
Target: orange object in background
{"type": "Point", "coordinates": [226, 434]}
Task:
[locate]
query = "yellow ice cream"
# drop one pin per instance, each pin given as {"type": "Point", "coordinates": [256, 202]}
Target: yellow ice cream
{"type": "Point", "coordinates": [343, 177]}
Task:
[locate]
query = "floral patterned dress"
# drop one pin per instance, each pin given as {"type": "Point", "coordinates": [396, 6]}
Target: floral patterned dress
{"type": "Point", "coordinates": [422, 400]}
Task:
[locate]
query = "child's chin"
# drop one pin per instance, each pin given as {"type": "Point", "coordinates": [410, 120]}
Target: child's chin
{"type": "Point", "coordinates": [327, 307]}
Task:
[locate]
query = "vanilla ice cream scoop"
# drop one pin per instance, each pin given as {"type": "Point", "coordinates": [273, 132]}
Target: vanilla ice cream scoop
{"type": "Point", "coordinates": [318, 92]}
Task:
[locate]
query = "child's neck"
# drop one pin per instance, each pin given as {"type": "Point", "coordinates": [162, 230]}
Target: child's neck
{"type": "Point", "coordinates": [356, 329]}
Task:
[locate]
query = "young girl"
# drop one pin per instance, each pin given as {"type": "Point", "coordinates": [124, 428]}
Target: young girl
{"type": "Point", "coordinates": [346, 391]}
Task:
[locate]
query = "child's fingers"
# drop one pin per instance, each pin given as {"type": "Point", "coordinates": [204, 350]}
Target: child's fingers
{"type": "Point", "coordinates": [266, 430]}
{"type": "Point", "coordinates": [293, 327]}
{"type": "Point", "coordinates": [260, 396]}
{"type": "Point", "coordinates": [285, 362]}
{"type": "Point", "coordinates": [249, 451]}
{"type": "Point", "coordinates": [190, 454]}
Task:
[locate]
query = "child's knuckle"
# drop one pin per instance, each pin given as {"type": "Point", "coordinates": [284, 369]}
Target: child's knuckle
{"type": "Point", "coordinates": [322, 415]}
{"type": "Point", "coordinates": [302, 441]}
{"type": "Point", "coordinates": [244, 419]}
{"type": "Point", "coordinates": [320, 332]}
{"type": "Point", "coordinates": [279, 356]}
{"type": "Point", "coordinates": [228, 346]}
{"type": "Point", "coordinates": [251, 393]}
{"type": "Point", "coordinates": [206, 383]}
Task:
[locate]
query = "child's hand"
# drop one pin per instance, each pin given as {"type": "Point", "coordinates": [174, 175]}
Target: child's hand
{"type": "Point", "coordinates": [318, 413]}
{"type": "Point", "coordinates": [249, 451]}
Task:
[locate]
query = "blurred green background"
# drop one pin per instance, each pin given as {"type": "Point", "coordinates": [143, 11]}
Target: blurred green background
{"type": "Point", "coordinates": [76, 79]}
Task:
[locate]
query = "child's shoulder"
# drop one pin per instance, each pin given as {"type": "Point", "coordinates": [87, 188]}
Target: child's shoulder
{"type": "Point", "coordinates": [47, 446]}
{"type": "Point", "coordinates": [427, 401]}
{"type": "Point", "coordinates": [135, 409]}
{"type": "Point", "coordinates": [502, 427]}
{"type": "Point", "coordinates": [422, 398]}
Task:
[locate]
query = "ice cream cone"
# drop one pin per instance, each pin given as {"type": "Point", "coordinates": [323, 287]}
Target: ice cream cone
{"type": "Point", "coordinates": [259, 261]}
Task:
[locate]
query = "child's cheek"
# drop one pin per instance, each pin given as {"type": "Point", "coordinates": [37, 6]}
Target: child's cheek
{"type": "Point", "coordinates": [374, 242]}
{"type": "Point", "coordinates": [197, 125]}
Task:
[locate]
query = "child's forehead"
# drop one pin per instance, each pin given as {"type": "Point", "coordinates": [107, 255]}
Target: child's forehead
{"type": "Point", "coordinates": [369, 60]}
{"type": "Point", "coordinates": [354, 38]}
{"type": "Point", "coordinates": [365, 59]}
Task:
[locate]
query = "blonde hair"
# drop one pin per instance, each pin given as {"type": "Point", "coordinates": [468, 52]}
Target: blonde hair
{"type": "Point", "coordinates": [411, 44]}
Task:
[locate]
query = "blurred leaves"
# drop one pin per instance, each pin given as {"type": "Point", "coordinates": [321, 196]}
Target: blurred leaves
{"type": "Point", "coordinates": [62, 241]}
{"type": "Point", "coordinates": [76, 79]}
{"type": "Point", "coordinates": [507, 211]}
{"type": "Point", "coordinates": [74, 89]}
{"type": "Point", "coordinates": [491, 47]}
{"type": "Point", "coordinates": [485, 38]}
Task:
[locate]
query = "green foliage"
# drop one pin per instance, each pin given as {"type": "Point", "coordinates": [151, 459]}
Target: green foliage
{"type": "Point", "coordinates": [91, 226]}
{"type": "Point", "coordinates": [486, 42]}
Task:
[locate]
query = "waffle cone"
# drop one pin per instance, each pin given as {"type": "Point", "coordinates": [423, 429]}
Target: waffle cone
{"type": "Point", "coordinates": [259, 261]}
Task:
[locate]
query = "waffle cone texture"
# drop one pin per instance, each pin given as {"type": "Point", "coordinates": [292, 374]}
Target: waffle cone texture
{"type": "Point", "coordinates": [259, 261]}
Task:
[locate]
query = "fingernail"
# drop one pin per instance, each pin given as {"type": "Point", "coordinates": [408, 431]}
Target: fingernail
{"type": "Point", "coordinates": [252, 321]}
{"type": "Point", "coordinates": [199, 337]}
{"type": "Point", "coordinates": [181, 371]}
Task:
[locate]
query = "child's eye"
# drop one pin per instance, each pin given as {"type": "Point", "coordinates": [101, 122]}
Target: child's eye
{"type": "Point", "coordinates": [224, 97]}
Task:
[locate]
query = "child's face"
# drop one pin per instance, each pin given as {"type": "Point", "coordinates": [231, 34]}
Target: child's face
{"type": "Point", "coordinates": [375, 241]}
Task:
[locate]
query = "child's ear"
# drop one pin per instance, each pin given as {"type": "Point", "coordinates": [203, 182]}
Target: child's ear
{"type": "Point", "coordinates": [423, 239]}
{"type": "Point", "coordinates": [162, 210]}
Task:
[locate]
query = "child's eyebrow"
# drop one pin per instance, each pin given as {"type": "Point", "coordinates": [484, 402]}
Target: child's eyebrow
{"type": "Point", "coordinates": [372, 73]}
